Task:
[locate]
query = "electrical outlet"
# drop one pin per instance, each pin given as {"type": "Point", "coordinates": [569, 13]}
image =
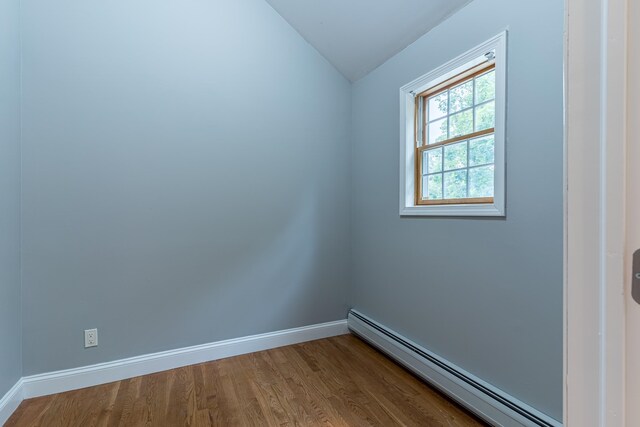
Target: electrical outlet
{"type": "Point", "coordinates": [90, 338]}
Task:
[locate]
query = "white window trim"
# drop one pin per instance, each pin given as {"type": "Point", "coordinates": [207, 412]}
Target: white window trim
{"type": "Point", "coordinates": [407, 147]}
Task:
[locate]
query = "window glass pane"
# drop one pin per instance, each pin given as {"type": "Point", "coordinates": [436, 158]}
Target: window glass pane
{"type": "Point", "coordinates": [485, 87]}
{"type": "Point", "coordinates": [432, 160]}
{"type": "Point", "coordinates": [481, 151]}
{"type": "Point", "coordinates": [485, 116]}
{"type": "Point", "coordinates": [425, 180]}
{"type": "Point", "coordinates": [437, 107]}
{"type": "Point", "coordinates": [455, 156]}
{"type": "Point", "coordinates": [432, 187]}
{"type": "Point", "coordinates": [461, 97]}
{"type": "Point", "coordinates": [437, 131]}
{"type": "Point", "coordinates": [461, 124]}
{"type": "Point", "coordinates": [481, 181]}
{"type": "Point", "coordinates": [455, 184]}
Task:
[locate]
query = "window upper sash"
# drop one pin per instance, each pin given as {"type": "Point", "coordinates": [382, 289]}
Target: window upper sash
{"type": "Point", "coordinates": [457, 79]}
{"type": "Point", "coordinates": [420, 122]}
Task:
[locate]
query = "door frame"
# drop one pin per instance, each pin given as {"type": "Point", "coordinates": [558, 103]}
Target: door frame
{"type": "Point", "coordinates": [595, 144]}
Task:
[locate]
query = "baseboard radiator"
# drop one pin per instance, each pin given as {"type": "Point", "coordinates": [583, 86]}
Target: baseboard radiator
{"type": "Point", "coordinates": [487, 402]}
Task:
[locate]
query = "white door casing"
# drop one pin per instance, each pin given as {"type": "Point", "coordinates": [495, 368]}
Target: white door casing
{"type": "Point", "coordinates": [595, 291]}
{"type": "Point", "coordinates": [633, 215]}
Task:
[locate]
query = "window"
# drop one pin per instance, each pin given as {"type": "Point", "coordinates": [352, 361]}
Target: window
{"type": "Point", "coordinates": [455, 152]}
{"type": "Point", "coordinates": [452, 142]}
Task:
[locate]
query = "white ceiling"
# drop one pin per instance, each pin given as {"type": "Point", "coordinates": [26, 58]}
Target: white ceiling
{"type": "Point", "coordinates": [356, 36]}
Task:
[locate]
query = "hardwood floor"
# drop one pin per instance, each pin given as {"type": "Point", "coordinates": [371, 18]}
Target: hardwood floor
{"type": "Point", "coordinates": [338, 381]}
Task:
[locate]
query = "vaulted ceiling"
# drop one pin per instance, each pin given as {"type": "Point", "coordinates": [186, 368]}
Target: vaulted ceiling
{"type": "Point", "coordinates": [356, 36]}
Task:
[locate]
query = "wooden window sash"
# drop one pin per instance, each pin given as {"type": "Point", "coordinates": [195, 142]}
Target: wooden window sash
{"type": "Point", "coordinates": [418, 176]}
{"type": "Point", "coordinates": [449, 141]}
{"type": "Point", "coordinates": [422, 100]}
{"type": "Point", "coordinates": [464, 201]}
{"type": "Point", "coordinates": [467, 201]}
{"type": "Point", "coordinates": [462, 77]}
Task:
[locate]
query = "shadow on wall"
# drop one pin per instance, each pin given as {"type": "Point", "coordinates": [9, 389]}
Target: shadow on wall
{"type": "Point", "coordinates": [280, 274]}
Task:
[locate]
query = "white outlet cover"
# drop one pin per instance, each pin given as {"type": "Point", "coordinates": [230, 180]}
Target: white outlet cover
{"type": "Point", "coordinates": [90, 338]}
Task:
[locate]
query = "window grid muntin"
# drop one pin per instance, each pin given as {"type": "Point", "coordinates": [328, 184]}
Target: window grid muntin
{"type": "Point", "coordinates": [480, 104]}
{"type": "Point", "coordinates": [448, 117]}
{"type": "Point", "coordinates": [443, 171]}
{"type": "Point", "coordinates": [425, 109]}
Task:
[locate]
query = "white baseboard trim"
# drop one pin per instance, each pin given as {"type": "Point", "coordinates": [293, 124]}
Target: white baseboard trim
{"type": "Point", "coordinates": [488, 402]}
{"type": "Point", "coordinates": [73, 379]}
{"type": "Point", "coordinates": [10, 402]}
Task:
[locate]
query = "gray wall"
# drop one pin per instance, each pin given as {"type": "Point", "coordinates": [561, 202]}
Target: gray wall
{"type": "Point", "coordinates": [485, 294]}
{"type": "Point", "coordinates": [10, 329]}
{"type": "Point", "coordinates": [186, 177]}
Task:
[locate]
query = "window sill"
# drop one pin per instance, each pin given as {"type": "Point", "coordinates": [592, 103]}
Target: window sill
{"type": "Point", "coordinates": [488, 210]}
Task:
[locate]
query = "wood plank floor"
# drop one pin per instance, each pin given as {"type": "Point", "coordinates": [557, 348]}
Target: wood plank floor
{"type": "Point", "coordinates": [338, 381]}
